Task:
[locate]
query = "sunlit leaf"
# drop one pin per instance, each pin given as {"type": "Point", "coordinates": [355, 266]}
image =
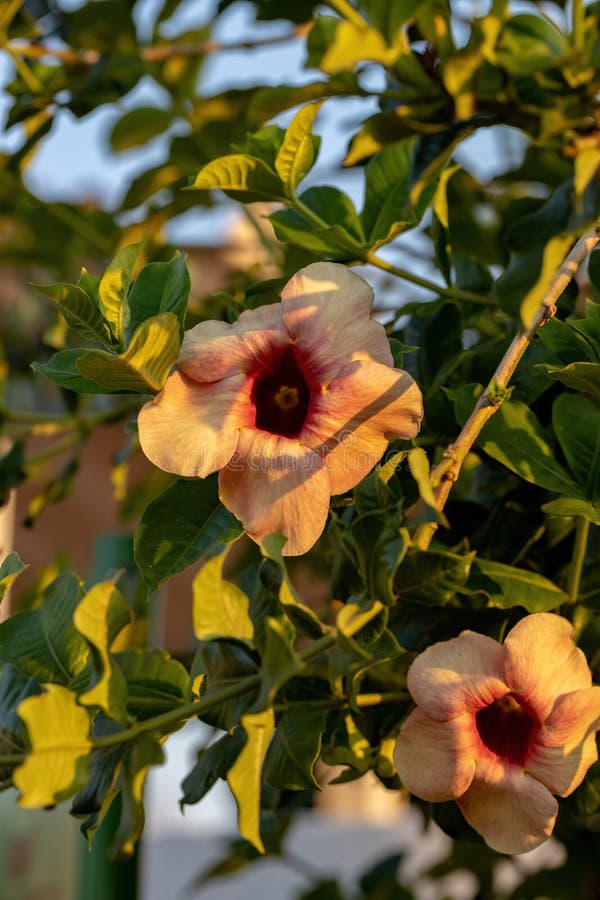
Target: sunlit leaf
{"type": "Point", "coordinates": [243, 777]}
{"type": "Point", "coordinates": [57, 765]}
{"type": "Point", "coordinates": [113, 288]}
{"type": "Point", "coordinates": [220, 608]}
{"type": "Point", "coordinates": [79, 311]}
{"type": "Point", "coordinates": [99, 617]}
{"type": "Point", "coordinates": [197, 523]}
{"type": "Point", "coordinates": [297, 152]}
{"type": "Point", "coordinates": [11, 567]}
{"type": "Point", "coordinates": [241, 174]}
{"type": "Point", "coordinates": [144, 366]}
{"type": "Point", "coordinates": [507, 586]}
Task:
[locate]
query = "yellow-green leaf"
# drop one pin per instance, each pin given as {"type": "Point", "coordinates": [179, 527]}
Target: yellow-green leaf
{"type": "Point", "coordinates": [243, 777]}
{"type": "Point", "coordinates": [297, 153]}
{"type": "Point", "coordinates": [57, 765]}
{"type": "Point", "coordinates": [10, 568]}
{"type": "Point", "coordinates": [144, 366]}
{"type": "Point", "coordinates": [554, 253]}
{"type": "Point", "coordinates": [220, 608]}
{"type": "Point", "coordinates": [587, 163]}
{"type": "Point", "coordinates": [112, 290]}
{"type": "Point", "coordinates": [238, 172]}
{"type": "Point", "coordinates": [100, 616]}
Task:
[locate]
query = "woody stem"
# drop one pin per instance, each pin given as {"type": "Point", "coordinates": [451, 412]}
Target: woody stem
{"type": "Point", "coordinates": [446, 472]}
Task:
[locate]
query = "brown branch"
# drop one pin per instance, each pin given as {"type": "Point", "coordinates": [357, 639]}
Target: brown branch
{"type": "Point", "coordinates": [154, 54]}
{"type": "Point", "coordinates": [446, 472]}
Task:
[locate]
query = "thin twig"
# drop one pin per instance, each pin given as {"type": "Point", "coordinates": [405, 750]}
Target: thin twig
{"type": "Point", "coordinates": [154, 54]}
{"type": "Point", "coordinates": [446, 472]}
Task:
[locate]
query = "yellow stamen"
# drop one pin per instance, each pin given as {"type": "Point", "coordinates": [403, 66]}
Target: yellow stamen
{"type": "Point", "coordinates": [287, 397]}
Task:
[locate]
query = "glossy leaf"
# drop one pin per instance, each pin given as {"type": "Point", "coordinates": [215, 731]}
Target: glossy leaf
{"type": "Point", "coordinates": [279, 661]}
{"type": "Point", "coordinates": [197, 524]}
{"type": "Point", "coordinates": [576, 422]}
{"type": "Point", "coordinates": [220, 608]}
{"type": "Point", "coordinates": [152, 675]}
{"type": "Point", "coordinates": [143, 367]}
{"type": "Point", "coordinates": [507, 586]}
{"type": "Point", "coordinates": [43, 642]}
{"type": "Point", "coordinates": [160, 287]}
{"type": "Point", "coordinates": [214, 762]}
{"type": "Point", "coordinates": [113, 288]}
{"type": "Point", "coordinates": [99, 617]}
{"type": "Point", "coordinates": [241, 174]}
{"type": "Point", "coordinates": [144, 753]}
{"type": "Point", "coordinates": [579, 376]}
{"type": "Point", "coordinates": [297, 153]}
{"type": "Point", "coordinates": [11, 567]}
{"type": "Point", "coordinates": [79, 311]}
{"type": "Point", "coordinates": [244, 776]}
{"type": "Point", "coordinates": [294, 749]}
{"type": "Point", "coordinates": [56, 766]}
{"type": "Point", "coordinates": [432, 577]}
{"type": "Point", "coordinates": [298, 612]}
{"type": "Point", "coordinates": [515, 438]}
{"type": "Point", "coordinates": [62, 370]}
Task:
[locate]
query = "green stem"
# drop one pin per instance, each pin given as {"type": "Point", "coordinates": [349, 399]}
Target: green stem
{"type": "Point", "coordinates": [582, 531]}
{"type": "Point", "coordinates": [368, 256]}
{"type": "Point", "coordinates": [348, 12]}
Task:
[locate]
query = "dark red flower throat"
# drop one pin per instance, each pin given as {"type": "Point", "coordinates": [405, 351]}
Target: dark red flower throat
{"type": "Point", "coordinates": [508, 728]}
{"type": "Point", "coordinates": [281, 396]}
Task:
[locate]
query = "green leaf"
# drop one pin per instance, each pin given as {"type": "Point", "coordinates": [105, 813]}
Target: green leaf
{"type": "Point", "coordinates": [360, 623]}
{"type": "Point", "coordinates": [432, 577]}
{"type": "Point", "coordinates": [139, 758]}
{"type": "Point", "coordinates": [589, 326]}
{"type": "Point", "coordinates": [58, 731]}
{"type": "Point", "coordinates": [573, 506]}
{"type": "Point", "coordinates": [390, 206]}
{"type": "Point", "coordinates": [220, 608]}
{"type": "Point", "coordinates": [579, 376]}
{"type": "Point", "coordinates": [347, 746]}
{"type": "Point", "coordinates": [336, 45]}
{"type": "Point", "coordinates": [566, 342]}
{"type": "Point", "coordinates": [10, 568]}
{"type": "Point", "coordinates": [515, 438]}
{"type": "Point", "coordinates": [301, 615]}
{"type": "Point", "coordinates": [380, 547]}
{"type": "Point", "coordinates": [418, 464]}
{"type": "Point", "coordinates": [222, 663]}
{"type": "Point", "coordinates": [78, 310]}
{"type": "Point", "coordinates": [99, 617]}
{"type": "Point", "coordinates": [43, 642]}
{"type": "Point", "coordinates": [529, 43]}
{"type": "Point", "coordinates": [144, 366]}
{"type": "Point", "coordinates": [241, 174]}
{"type": "Point", "coordinates": [12, 469]}
{"type": "Point", "coordinates": [294, 749]}
{"type": "Point", "coordinates": [152, 675]}
{"type": "Point", "coordinates": [339, 238]}
{"type": "Point", "coordinates": [555, 251]}
{"type": "Point", "coordinates": [113, 288]}
{"type": "Point", "coordinates": [160, 287]}
{"type": "Point", "coordinates": [507, 586]}
{"type": "Point", "coordinates": [297, 153]}
{"type": "Point", "coordinates": [138, 126]}
{"type": "Point", "coordinates": [243, 777]}
{"type": "Point", "coordinates": [14, 687]}
{"type": "Point", "coordinates": [214, 762]}
{"type": "Point", "coordinates": [197, 524]}
{"type": "Point", "coordinates": [279, 661]}
{"type": "Point", "coordinates": [576, 422]}
{"type": "Point", "coordinates": [62, 370]}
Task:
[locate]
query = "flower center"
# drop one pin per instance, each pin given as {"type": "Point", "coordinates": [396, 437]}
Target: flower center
{"type": "Point", "coordinates": [281, 397]}
{"type": "Point", "coordinates": [508, 728]}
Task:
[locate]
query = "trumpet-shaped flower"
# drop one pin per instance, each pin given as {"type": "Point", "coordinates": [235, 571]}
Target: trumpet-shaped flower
{"type": "Point", "coordinates": [501, 728]}
{"type": "Point", "coordinates": [292, 402]}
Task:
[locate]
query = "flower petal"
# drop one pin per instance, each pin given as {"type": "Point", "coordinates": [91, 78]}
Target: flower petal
{"type": "Point", "coordinates": [567, 742]}
{"type": "Point", "coordinates": [511, 810]}
{"type": "Point", "coordinates": [215, 350]}
{"type": "Point", "coordinates": [327, 309]}
{"type": "Point", "coordinates": [350, 422]}
{"type": "Point", "coordinates": [273, 484]}
{"type": "Point", "coordinates": [192, 429]}
{"type": "Point", "coordinates": [541, 661]}
{"type": "Point", "coordinates": [456, 676]}
{"type": "Point", "coordinates": [436, 760]}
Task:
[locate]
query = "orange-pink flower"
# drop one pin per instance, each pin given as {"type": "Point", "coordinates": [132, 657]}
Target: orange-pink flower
{"type": "Point", "coordinates": [293, 402]}
{"type": "Point", "coordinates": [501, 728]}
